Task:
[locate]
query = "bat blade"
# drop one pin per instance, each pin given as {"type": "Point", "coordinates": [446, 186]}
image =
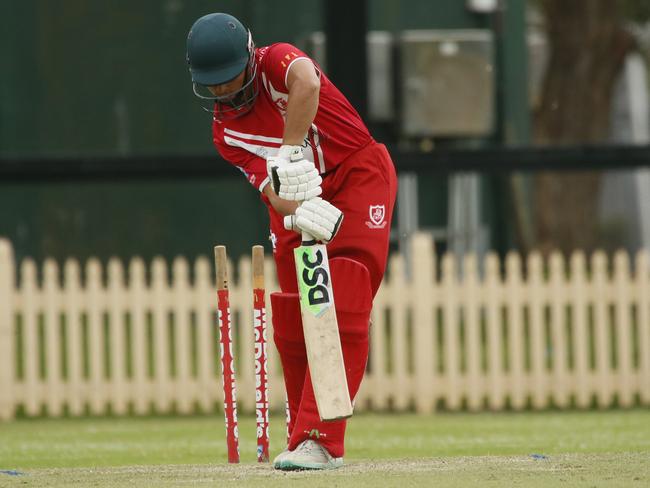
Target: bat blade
{"type": "Point", "coordinates": [321, 331]}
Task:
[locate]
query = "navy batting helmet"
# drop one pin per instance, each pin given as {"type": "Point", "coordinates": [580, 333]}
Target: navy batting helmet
{"type": "Point", "coordinates": [220, 48]}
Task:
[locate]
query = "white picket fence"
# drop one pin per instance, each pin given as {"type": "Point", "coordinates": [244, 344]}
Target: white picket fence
{"type": "Point", "coordinates": [116, 341]}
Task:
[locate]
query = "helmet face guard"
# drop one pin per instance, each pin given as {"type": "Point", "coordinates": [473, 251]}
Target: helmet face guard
{"type": "Point", "coordinates": [237, 103]}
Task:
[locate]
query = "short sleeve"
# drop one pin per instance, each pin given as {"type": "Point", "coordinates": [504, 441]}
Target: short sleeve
{"type": "Point", "coordinates": [277, 62]}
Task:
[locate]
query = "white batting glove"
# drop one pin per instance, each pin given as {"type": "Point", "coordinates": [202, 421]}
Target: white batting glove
{"type": "Point", "coordinates": [293, 177]}
{"type": "Point", "coordinates": [316, 217]}
{"type": "Point", "coordinates": [298, 181]}
{"type": "Point", "coordinates": [286, 154]}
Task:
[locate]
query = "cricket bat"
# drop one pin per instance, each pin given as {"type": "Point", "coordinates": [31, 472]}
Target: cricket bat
{"type": "Point", "coordinates": [321, 330]}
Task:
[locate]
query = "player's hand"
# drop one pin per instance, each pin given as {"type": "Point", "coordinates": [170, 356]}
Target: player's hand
{"type": "Point", "coordinates": [316, 217]}
{"type": "Point", "coordinates": [292, 176]}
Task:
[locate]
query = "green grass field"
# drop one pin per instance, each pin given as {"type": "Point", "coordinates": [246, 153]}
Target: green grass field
{"type": "Point", "coordinates": [592, 449]}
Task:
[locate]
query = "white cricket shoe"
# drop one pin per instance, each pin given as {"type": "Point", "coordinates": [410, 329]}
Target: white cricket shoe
{"type": "Point", "coordinates": [277, 462]}
{"type": "Point", "coordinates": [308, 455]}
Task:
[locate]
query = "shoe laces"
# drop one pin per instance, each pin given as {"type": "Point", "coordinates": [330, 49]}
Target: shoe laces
{"type": "Point", "coordinates": [312, 448]}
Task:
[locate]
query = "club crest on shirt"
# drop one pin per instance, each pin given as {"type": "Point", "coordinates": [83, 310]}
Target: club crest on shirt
{"type": "Point", "coordinates": [377, 215]}
{"type": "Point", "coordinates": [281, 103]}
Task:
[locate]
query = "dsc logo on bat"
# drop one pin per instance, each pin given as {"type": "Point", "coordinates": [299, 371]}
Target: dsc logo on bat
{"type": "Point", "coordinates": [314, 282]}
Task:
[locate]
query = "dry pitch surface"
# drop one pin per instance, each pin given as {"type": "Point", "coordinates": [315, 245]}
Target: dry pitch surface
{"type": "Point", "coordinates": [594, 449]}
{"type": "Point", "coordinates": [570, 470]}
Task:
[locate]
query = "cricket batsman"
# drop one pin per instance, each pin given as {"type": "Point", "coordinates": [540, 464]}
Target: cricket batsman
{"type": "Point", "coordinates": [296, 138]}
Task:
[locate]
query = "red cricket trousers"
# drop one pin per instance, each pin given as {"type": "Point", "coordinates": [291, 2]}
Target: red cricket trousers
{"type": "Point", "coordinates": [364, 188]}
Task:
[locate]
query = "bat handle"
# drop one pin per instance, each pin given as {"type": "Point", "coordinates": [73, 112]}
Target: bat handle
{"type": "Point", "coordinates": [307, 239]}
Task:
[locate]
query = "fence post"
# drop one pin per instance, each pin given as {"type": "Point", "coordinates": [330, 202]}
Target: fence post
{"type": "Point", "coordinates": [184, 394]}
{"type": "Point", "coordinates": [643, 300]}
{"type": "Point", "coordinates": [423, 321]}
{"type": "Point", "coordinates": [162, 364]}
{"type": "Point", "coordinates": [537, 298]}
{"type": "Point", "coordinates": [582, 384]}
{"type": "Point", "coordinates": [516, 289]}
{"type": "Point", "coordinates": [452, 296]}
{"type": "Point", "coordinates": [496, 384]}
{"type": "Point", "coordinates": [473, 386]}
{"type": "Point", "coordinates": [601, 300]}
{"type": "Point", "coordinates": [54, 387]}
{"type": "Point", "coordinates": [558, 297]}
{"type": "Point", "coordinates": [6, 331]}
{"type": "Point", "coordinates": [623, 382]}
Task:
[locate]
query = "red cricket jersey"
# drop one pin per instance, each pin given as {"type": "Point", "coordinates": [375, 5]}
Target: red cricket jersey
{"type": "Point", "coordinates": [246, 141]}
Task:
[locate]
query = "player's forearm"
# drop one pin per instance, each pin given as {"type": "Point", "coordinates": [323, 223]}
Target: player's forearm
{"type": "Point", "coordinates": [301, 110]}
{"type": "Point", "coordinates": [281, 206]}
